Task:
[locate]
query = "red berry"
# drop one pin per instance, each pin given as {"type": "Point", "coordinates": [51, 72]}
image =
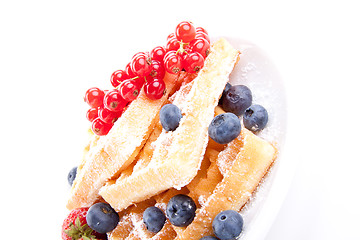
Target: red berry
{"type": "Point", "coordinates": [114, 101]}
{"type": "Point", "coordinates": [200, 45]}
{"type": "Point", "coordinates": [155, 89]}
{"type": "Point", "coordinates": [140, 81]}
{"type": "Point", "coordinates": [183, 50]}
{"type": "Point", "coordinates": [108, 116]}
{"type": "Point", "coordinates": [200, 29]}
{"type": "Point", "coordinates": [171, 35]}
{"type": "Point", "coordinates": [74, 226]}
{"type": "Point", "coordinates": [91, 114]}
{"type": "Point", "coordinates": [141, 64]}
{"type": "Point", "coordinates": [129, 89]}
{"type": "Point", "coordinates": [173, 62]}
{"type": "Point", "coordinates": [172, 44]}
{"type": "Point", "coordinates": [202, 35]}
{"type": "Point", "coordinates": [117, 77]}
{"type": "Point", "coordinates": [157, 69]}
{"type": "Point", "coordinates": [185, 32]}
{"type": "Point", "coordinates": [129, 72]}
{"type": "Point", "coordinates": [193, 62]}
{"type": "Point", "coordinates": [99, 127]}
{"type": "Point", "coordinates": [94, 97]}
{"type": "Point", "coordinates": [158, 53]}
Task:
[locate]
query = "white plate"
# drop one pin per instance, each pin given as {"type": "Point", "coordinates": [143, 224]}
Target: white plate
{"type": "Point", "coordinates": [256, 70]}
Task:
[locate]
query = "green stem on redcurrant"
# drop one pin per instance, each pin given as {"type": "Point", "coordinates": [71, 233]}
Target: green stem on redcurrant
{"type": "Point", "coordinates": [118, 87]}
{"type": "Point", "coordinates": [181, 48]}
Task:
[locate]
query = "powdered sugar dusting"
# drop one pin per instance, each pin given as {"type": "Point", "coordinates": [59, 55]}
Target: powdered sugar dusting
{"type": "Point", "coordinates": [139, 229]}
{"type": "Point", "coordinates": [257, 72]}
{"type": "Point", "coordinates": [202, 200]}
{"type": "Point", "coordinates": [161, 205]}
{"type": "Point", "coordinates": [214, 79]}
{"type": "Point", "coordinates": [226, 158]}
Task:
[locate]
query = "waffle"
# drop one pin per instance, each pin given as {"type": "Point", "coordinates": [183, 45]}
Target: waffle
{"type": "Point", "coordinates": [226, 180]}
{"type": "Point", "coordinates": [178, 154]}
{"type": "Point", "coordinates": [147, 169]}
{"type": "Point", "coordinates": [108, 155]}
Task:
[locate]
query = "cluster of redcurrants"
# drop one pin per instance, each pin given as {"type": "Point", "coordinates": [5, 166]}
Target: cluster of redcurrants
{"type": "Point", "coordinates": [186, 49]}
{"type": "Point", "coordinates": [105, 108]}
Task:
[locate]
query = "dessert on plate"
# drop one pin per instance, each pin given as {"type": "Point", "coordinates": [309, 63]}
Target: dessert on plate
{"type": "Point", "coordinates": [174, 151]}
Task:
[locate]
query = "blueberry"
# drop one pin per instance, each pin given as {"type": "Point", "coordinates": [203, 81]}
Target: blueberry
{"type": "Point", "coordinates": [170, 116]}
{"type": "Point", "coordinates": [227, 87]}
{"type": "Point", "coordinates": [209, 238]}
{"type": "Point", "coordinates": [72, 175]}
{"type": "Point", "coordinates": [228, 225]}
{"type": "Point", "coordinates": [255, 118]}
{"type": "Point", "coordinates": [154, 219]}
{"type": "Point", "coordinates": [237, 99]}
{"type": "Point", "coordinates": [224, 128]}
{"type": "Point", "coordinates": [102, 218]}
{"type": "Point", "coordinates": [181, 210]}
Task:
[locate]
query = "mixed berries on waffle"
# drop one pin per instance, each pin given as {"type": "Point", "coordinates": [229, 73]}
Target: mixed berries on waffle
{"type": "Point", "coordinates": [75, 226]}
{"type": "Point", "coordinates": [174, 154]}
{"type": "Point", "coordinates": [186, 49]}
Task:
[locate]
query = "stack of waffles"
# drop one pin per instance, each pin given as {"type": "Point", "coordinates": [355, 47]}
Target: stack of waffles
{"type": "Point", "coordinates": [138, 164]}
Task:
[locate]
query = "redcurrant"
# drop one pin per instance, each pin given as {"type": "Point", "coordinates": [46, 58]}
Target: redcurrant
{"type": "Point", "coordinates": [183, 50]}
{"type": "Point", "coordinates": [171, 35]}
{"type": "Point", "coordinates": [185, 32]}
{"type": "Point", "coordinates": [94, 97]}
{"type": "Point", "coordinates": [173, 63]}
{"type": "Point", "coordinates": [202, 35]}
{"type": "Point", "coordinates": [172, 44]}
{"type": "Point", "coordinates": [100, 127]}
{"type": "Point", "coordinates": [157, 69]}
{"type": "Point", "coordinates": [200, 45]}
{"type": "Point", "coordinates": [129, 72]}
{"type": "Point", "coordinates": [158, 53]}
{"type": "Point", "coordinates": [200, 29]}
{"type": "Point", "coordinates": [91, 114]}
{"type": "Point", "coordinates": [155, 89]}
{"type": "Point", "coordinates": [108, 116]}
{"type": "Point", "coordinates": [141, 64]}
{"type": "Point", "coordinates": [114, 101]}
{"type": "Point", "coordinates": [193, 62]}
{"type": "Point", "coordinates": [129, 89]}
{"type": "Point", "coordinates": [117, 77]}
{"type": "Point", "coordinates": [140, 81]}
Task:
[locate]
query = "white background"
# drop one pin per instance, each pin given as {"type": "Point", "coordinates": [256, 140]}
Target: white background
{"type": "Point", "coordinates": [52, 51]}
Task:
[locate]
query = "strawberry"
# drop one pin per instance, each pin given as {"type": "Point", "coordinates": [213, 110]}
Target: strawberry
{"type": "Point", "coordinates": [75, 227]}
{"type": "Point", "coordinates": [86, 238]}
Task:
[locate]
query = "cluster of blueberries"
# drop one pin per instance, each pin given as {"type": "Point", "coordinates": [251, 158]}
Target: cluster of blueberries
{"type": "Point", "coordinates": [236, 101]}
{"type": "Point", "coordinates": [181, 212]}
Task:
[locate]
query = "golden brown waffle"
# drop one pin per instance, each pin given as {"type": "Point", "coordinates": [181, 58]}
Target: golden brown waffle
{"type": "Point", "coordinates": [226, 179]}
{"type": "Point", "coordinates": [178, 155]}
{"type": "Point", "coordinates": [244, 162]}
{"type": "Point", "coordinates": [110, 154]}
{"type": "Point", "coordinates": [163, 164]}
{"type": "Point", "coordinates": [242, 176]}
